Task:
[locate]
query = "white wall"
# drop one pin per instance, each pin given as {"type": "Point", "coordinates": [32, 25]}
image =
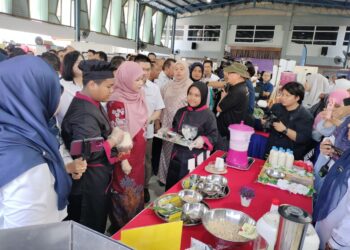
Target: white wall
{"type": "Point", "coordinates": [284, 22]}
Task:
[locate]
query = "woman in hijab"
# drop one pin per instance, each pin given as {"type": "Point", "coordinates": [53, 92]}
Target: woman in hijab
{"type": "Point", "coordinates": [195, 116]}
{"type": "Point", "coordinates": [331, 213]}
{"type": "Point", "coordinates": [196, 71]}
{"type": "Point", "coordinates": [328, 155]}
{"type": "Point", "coordinates": [316, 84]}
{"type": "Point", "coordinates": [34, 185]}
{"type": "Point", "coordinates": [175, 97]}
{"type": "Point", "coordinates": [127, 109]}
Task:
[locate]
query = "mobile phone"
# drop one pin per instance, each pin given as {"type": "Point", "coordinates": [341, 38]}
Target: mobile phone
{"type": "Point", "coordinates": [86, 147]}
{"type": "Point", "coordinates": [346, 101]}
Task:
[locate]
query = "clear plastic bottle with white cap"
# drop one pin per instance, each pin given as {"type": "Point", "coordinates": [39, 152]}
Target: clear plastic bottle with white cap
{"type": "Point", "coordinates": [273, 157]}
{"type": "Point", "coordinates": [289, 159]}
{"type": "Point", "coordinates": [281, 158]}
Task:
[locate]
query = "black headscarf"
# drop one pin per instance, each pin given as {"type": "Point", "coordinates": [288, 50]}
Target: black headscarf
{"type": "Point", "coordinates": [203, 89]}
{"type": "Point", "coordinates": [193, 65]}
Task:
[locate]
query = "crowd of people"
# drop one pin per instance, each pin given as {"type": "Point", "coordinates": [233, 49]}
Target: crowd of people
{"type": "Point", "coordinates": [77, 133]}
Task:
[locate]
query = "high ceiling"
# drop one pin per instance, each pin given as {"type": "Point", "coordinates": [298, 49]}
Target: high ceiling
{"type": "Point", "coordinates": [174, 7]}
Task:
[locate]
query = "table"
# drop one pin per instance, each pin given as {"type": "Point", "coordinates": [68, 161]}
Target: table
{"type": "Point", "coordinates": [257, 145]}
{"type": "Point", "coordinates": [236, 178]}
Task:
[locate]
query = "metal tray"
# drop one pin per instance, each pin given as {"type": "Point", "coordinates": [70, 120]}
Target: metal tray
{"type": "Point", "coordinates": [205, 196]}
{"type": "Point", "coordinates": [216, 196]}
{"type": "Point", "coordinates": [165, 218]}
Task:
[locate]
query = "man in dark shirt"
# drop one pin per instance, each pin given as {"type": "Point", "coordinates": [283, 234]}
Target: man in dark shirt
{"type": "Point", "coordinates": [233, 104]}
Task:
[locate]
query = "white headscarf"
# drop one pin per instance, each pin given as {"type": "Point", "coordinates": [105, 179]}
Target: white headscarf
{"type": "Point", "coordinates": [319, 84]}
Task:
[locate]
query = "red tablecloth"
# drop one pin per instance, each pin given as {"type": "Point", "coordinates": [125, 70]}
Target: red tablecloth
{"type": "Point", "coordinates": [236, 178]}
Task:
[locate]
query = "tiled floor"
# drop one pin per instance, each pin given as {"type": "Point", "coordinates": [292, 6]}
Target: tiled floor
{"type": "Point", "coordinates": [154, 189]}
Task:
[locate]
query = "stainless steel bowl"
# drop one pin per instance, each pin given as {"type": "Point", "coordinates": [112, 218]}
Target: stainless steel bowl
{"type": "Point", "coordinates": [209, 188]}
{"type": "Point", "coordinates": [193, 212]}
{"type": "Point", "coordinates": [274, 173]}
{"type": "Point", "coordinates": [217, 179]}
{"type": "Point", "coordinates": [224, 224]}
{"type": "Point", "coordinates": [190, 196]}
{"type": "Point", "coordinates": [172, 133]}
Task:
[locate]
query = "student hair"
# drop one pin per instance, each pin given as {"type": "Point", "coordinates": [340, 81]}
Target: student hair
{"type": "Point", "coordinates": [142, 58]}
{"type": "Point", "coordinates": [116, 61]}
{"type": "Point", "coordinates": [208, 61]}
{"type": "Point", "coordinates": [92, 51]}
{"type": "Point", "coordinates": [152, 54]}
{"type": "Point", "coordinates": [296, 89]}
{"type": "Point", "coordinates": [250, 68]}
{"type": "Point", "coordinates": [102, 55]}
{"type": "Point", "coordinates": [52, 59]}
{"type": "Point", "coordinates": [168, 62]}
{"type": "Point", "coordinates": [68, 63]}
{"type": "Point", "coordinates": [17, 52]}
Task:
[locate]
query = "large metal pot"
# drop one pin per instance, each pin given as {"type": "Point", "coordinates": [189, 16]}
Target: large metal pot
{"type": "Point", "coordinates": [292, 228]}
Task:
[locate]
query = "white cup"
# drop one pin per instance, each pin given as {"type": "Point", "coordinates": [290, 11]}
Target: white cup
{"type": "Point", "coordinates": [219, 164]}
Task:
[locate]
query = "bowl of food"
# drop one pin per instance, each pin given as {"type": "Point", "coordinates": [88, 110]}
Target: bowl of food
{"type": "Point", "coordinates": [274, 173]}
{"type": "Point", "coordinates": [190, 196]}
{"type": "Point", "coordinates": [217, 180]}
{"type": "Point", "coordinates": [167, 205]}
{"type": "Point", "coordinates": [225, 225]}
{"type": "Point", "coordinates": [192, 181]}
{"type": "Point", "coordinates": [193, 212]}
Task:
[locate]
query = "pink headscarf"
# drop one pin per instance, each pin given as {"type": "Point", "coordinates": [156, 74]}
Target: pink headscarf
{"type": "Point", "coordinates": [134, 101]}
{"type": "Point", "coordinates": [339, 95]}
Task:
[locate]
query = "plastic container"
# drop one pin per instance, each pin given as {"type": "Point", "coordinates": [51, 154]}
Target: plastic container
{"type": "Point", "coordinates": [281, 158]}
{"type": "Point", "coordinates": [273, 157]}
{"type": "Point", "coordinates": [274, 205]}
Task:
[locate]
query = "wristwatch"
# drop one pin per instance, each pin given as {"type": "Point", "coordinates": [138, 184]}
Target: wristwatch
{"type": "Point", "coordinates": [285, 131]}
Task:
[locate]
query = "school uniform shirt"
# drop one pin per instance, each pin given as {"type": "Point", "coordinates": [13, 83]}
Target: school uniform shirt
{"type": "Point", "coordinates": [162, 80]}
{"type": "Point", "coordinates": [154, 102]}
{"type": "Point", "coordinates": [234, 107]}
{"type": "Point", "coordinates": [70, 89]}
{"type": "Point", "coordinates": [30, 199]}
{"type": "Point", "coordinates": [212, 78]}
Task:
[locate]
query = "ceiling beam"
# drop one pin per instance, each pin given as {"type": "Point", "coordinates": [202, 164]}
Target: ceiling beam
{"type": "Point", "coordinates": [179, 6]}
{"type": "Point", "coordinates": [161, 7]}
{"type": "Point", "coordinates": [190, 4]}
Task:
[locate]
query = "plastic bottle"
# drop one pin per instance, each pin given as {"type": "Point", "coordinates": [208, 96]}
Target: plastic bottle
{"type": "Point", "coordinates": [274, 205]}
{"type": "Point", "coordinates": [289, 159]}
{"type": "Point", "coordinates": [273, 157]}
{"type": "Point", "coordinates": [281, 158]}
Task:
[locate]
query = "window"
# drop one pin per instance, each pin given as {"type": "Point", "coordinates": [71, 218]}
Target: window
{"type": "Point", "coordinates": [254, 33]}
{"type": "Point", "coordinates": [317, 35]}
{"type": "Point", "coordinates": [203, 33]}
{"type": "Point", "coordinates": [179, 32]}
{"type": "Point", "coordinates": [346, 37]}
